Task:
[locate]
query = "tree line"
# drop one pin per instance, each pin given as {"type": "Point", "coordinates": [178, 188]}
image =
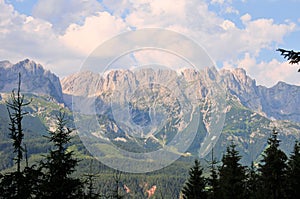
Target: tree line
{"type": "Point", "coordinates": [275, 177]}
{"type": "Point", "coordinates": [51, 178]}
{"type": "Point", "coordinates": [54, 177]}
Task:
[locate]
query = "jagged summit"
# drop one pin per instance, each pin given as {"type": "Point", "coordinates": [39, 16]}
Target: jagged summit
{"type": "Point", "coordinates": [5, 63]}
{"type": "Point", "coordinates": [35, 79]}
{"type": "Point", "coordinates": [246, 107]}
{"type": "Point", "coordinates": [280, 101]}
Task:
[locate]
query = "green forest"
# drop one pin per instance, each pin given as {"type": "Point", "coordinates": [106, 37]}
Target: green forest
{"type": "Point", "coordinates": [66, 170]}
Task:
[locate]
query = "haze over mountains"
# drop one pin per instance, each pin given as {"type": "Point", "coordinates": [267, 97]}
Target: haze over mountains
{"type": "Point", "coordinates": [278, 102]}
{"type": "Point", "coordinates": [249, 118]}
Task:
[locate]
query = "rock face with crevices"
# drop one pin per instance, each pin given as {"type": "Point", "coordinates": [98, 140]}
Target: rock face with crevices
{"type": "Point", "coordinates": [35, 79]}
{"type": "Point", "coordinates": [279, 102]}
{"type": "Point", "coordinates": [152, 94]}
{"type": "Point", "coordinates": [146, 98]}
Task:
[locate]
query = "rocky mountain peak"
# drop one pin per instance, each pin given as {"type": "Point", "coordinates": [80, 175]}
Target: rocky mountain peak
{"type": "Point", "coordinates": [277, 102]}
{"type": "Point", "coordinates": [238, 76]}
{"type": "Point", "coordinates": [5, 63]}
{"type": "Point", "coordinates": [281, 84]}
{"type": "Point", "coordinates": [35, 79]}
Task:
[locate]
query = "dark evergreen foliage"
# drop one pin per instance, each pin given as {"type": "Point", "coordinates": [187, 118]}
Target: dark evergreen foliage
{"type": "Point", "coordinates": [252, 183]}
{"type": "Point", "coordinates": [116, 191]}
{"type": "Point", "coordinates": [21, 183]}
{"type": "Point", "coordinates": [292, 56]}
{"type": "Point", "coordinates": [30, 179]}
{"type": "Point", "coordinates": [213, 180]}
{"type": "Point", "coordinates": [276, 176]}
{"type": "Point", "coordinates": [195, 186]}
{"type": "Point", "coordinates": [60, 164]}
{"type": "Point", "coordinates": [15, 110]}
{"type": "Point", "coordinates": [273, 170]}
{"type": "Point", "coordinates": [294, 173]}
{"type": "Point", "coordinates": [90, 186]}
{"type": "Point", "coordinates": [232, 175]}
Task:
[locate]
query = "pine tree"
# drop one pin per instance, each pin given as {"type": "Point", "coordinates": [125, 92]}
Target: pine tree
{"type": "Point", "coordinates": [292, 56]}
{"type": "Point", "coordinates": [273, 169]}
{"type": "Point", "coordinates": [60, 164]}
{"type": "Point", "coordinates": [116, 190]}
{"type": "Point", "coordinates": [15, 111]}
{"type": "Point", "coordinates": [253, 183]}
{"type": "Point", "coordinates": [90, 189]}
{"type": "Point", "coordinates": [195, 186]}
{"type": "Point", "coordinates": [232, 175]}
{"type": "Point", "coordinates": [213, 180]}
{"type": "Point", "coordinates": [20, 184]}
{"type": "Point", "coordinates": [294, 172]}
{"type": "Point", "coordinates": [33, 178]}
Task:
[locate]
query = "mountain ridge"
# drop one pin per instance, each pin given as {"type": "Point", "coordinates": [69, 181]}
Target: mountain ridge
{"type": "Point", "coordinates": [277, 102]}
{"type": "Point", "coordinates": [35, 79]}
{"type": "Point", "coordinates": [248, 119]}
{"type": "Point", "coordinates": [255, 97]}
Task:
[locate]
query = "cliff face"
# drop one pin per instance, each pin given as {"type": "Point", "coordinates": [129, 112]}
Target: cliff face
{"type": "Point", "coordinates": [281, 101]}
{"type": "Point", "coordinates": [35, 79]}
{"type": "Point", "coordinates": [278, 102]}
{"type": "Point", "coordinates": [149, 99]}
{"type": "Point", "coordinates": [154, 96]}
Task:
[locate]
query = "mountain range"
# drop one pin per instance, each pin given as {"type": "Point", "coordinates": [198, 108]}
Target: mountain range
{"type": "Point", "coordinates": [252, 111]}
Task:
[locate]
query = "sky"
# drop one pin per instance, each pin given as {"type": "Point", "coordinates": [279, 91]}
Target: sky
{"type": "Point", "coordinates": [60, 35]}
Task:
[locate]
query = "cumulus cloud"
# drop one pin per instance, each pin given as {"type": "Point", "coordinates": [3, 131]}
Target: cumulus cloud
{"type": "Point", "coordinates": [225, 6]}
{"type": "Point", "coordinates": [231, 42]}
{"type": "Point", "coordinates": [24, 36]}
{"type": "Point", "coordinates": [231, 10]}
{"type": "Point", "coordinates": [221, 37]}
{"type": "Point", "coordinates": [62, 13]}
{"type": "Point", "coordinates": [94, 31]}
{"type": "Point", "coordinates": [61, 34]}
{"type": "Point", "coordinates": [269, 73]}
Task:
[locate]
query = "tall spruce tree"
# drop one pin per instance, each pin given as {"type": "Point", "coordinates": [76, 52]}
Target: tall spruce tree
{"type": "Point", "coordinates": [273, 170]}
{"type": "Point", "coordinates": [195, 186]}
{"type": "Point", "coordinates": [21, 183]}
{"type": "Point", "coordinates": [16, 113]}
{"type": "Point", "coordinates": [116, 190]}
{"type": "Point", "coordinates": [60, 164]}
{"type": "Point", "coordinates": [213, 180]}
{"type": "Point", "coordinates": [294, 173]}
{"type": "Point", "coordinates": [253, 183]}
{"type": "Point", "coordinates": [232, 175]}
{"type": "Point", "coordinates": [90, 184]}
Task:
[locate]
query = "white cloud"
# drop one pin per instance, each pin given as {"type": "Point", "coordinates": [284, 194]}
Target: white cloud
{"type": "Point", "coordinates": [269, 73]}
{"type": "Point", "coordinates": [217, 1]}
{"type": "Point", "coordinates": [225, 6]}
{"type": "Point", "coordinates": [257, 34]}
{"type": "Point", "coordinates": [62, 13]}
{"type": "Point", "coordinates": [61, 34]}
{"type": "Point", "coordinates": [227, 25]}
{"type": "Point", "coordinates": [157, 13]}
{"type": "Point", "coordinates": [24, 36]}
{"type": "Point", "coordinates": [95, 30]}
{"type": "Point", "coordinates": [221, 37]}
{"type": "Point", "coordinates": [246, 18]}
{"type": "Point", "coordinates": [231, 10]}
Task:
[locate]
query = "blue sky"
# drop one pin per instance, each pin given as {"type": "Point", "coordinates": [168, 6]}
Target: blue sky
{"type": "Point", "coordinates": [236, 33]}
